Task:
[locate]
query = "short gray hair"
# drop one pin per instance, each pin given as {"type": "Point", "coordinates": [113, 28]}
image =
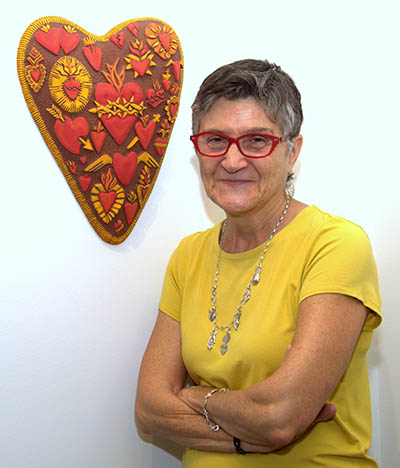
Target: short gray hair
{"type": "Point", "coordinates": [266, 82]}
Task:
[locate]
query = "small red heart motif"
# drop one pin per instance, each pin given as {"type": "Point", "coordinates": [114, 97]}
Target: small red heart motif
{"type": "Point", "coordinates": [125, 166]}
{"type": "Point", "coordinates": [118, 39]}
{"type": "Point", "coordinates": [35, 74]}
{"type": "Point", "coordinates": [70, 131]}
{"type": "Point", "coordinates": [176, 69]}
{"type": "Point", "coordinates": [84, 182]}
{"type": "Point", "coordinates": [93, 55]}
{"type": "Point", "coordinates": [51, 39]}
{"type": "Point", "coordinates": [69, 41]}
{"type": "Point", "coordinates": [161, 145]}
{"type": "Point", "coordinates": [140, 67]}
{"type": "Point", "coordinates": [155, 98]}
{"type": "Point", "coordinates": [173, 108]}
{"type": "Point", "coordinates": [107, 200]}
{"type": "Point", "coordinates": [72, 88]}
{"type": "Point", "coordinates": [133, 28]}
{"type": "Point", "coordinates": [145, 134]}
{"type": "Point", "coordinates": [165, 40]}
{"type": "Point", "coordinates": [118, 226]}
{"type": "Point", "coordinates": [166, 84]}
{"type": "Point", "coordinates": [130, 211]}
{"type": "Point", "coordinates": [98, 140]}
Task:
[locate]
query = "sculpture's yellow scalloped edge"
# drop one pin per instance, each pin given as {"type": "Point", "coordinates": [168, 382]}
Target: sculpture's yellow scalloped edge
{"type": "Point", "coordinates": [21, 55]}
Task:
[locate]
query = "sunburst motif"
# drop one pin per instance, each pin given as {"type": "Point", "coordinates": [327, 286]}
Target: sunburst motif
{"type": "Point", "coordinates": [162, 39]}
{"type": "Point", "coordinates": [70, 84]}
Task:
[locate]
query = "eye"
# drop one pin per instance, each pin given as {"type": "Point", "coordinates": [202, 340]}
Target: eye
{"type": "Point", "coordinates": [257, 141]}
{"type": "Point", "coordinates": [215, 140]}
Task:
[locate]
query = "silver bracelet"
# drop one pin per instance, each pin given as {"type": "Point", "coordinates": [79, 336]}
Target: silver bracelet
{"type": "Point", "coordinates": [212, 427]}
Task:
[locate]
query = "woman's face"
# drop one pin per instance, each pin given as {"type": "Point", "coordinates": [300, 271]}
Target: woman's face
{"type": "Point", "coordinates": [238, 184]}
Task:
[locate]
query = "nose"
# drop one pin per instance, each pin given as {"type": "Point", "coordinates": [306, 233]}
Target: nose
{"type": "Point", "coordinates": [233, 160]}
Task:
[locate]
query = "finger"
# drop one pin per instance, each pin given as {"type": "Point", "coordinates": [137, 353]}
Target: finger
{"type": "Point", "coordinates": [327, 413]}
{"type": "Point", "coordinates": [287, 351]}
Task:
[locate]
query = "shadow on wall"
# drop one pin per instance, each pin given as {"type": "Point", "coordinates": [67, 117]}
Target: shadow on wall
{"type": "Point", "coordinates": [386, 350]}
{"type": "Point", "coordinates": [375, 360]}
{"type": "Point", "coordinates": [167, 446]}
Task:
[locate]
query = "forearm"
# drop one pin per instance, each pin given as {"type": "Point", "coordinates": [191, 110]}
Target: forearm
{"type": "Point", "coordinates": [165, 415]}
{"type": "Point", "coordinates": [240, 416]}
{"type": "Point", "coordinates": [270, 415]}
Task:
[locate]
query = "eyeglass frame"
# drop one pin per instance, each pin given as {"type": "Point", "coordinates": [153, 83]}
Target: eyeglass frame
{"type": "Point", "coordinates": [275, 141]}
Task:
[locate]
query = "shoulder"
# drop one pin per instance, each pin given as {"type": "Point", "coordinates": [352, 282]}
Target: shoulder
{"type": "Point", "coordinates": [323, 227]}
{"type": "Point", "coordinates": [339, 259]}
{"type": "Point", "coordinates": [317, 217]}
{"type": "Point", "coordinates": [199, 240]}
{"type": "Point", "coordinates": [194, 247]}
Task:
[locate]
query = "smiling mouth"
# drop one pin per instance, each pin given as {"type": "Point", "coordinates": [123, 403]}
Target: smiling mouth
{"type": "Point", "coordinates": [235, 181]}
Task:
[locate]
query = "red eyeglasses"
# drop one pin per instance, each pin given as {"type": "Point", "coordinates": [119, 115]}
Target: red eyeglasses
{"type": "Point", "coordinates": [251, 145]}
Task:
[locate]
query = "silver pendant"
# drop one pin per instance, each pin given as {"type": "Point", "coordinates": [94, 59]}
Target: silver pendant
{"type": "Point", "coordinates": [256, 277]}
{"type": "Point", "coordinates": [211, 314]}
{"type": "Point", "coordinates": [247, 294]}
{"type": "Point", "coordinates": [211, 340]}
{"type": "Point", "coordinates": [227, 337]}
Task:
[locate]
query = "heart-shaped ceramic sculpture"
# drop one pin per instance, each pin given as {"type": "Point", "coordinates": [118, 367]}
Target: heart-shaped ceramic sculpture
{"type": "Point", "coordinates": [106, 107]}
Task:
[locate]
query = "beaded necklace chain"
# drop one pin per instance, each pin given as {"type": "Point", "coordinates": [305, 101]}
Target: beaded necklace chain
{"type": "Point", "coordinates": [235, 322]}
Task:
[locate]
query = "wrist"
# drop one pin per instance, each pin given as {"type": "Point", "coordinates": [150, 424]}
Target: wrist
{"type": "Point", "coordinates": [213, 427]}
{"type": "Point", "coordinates": [238, 447]}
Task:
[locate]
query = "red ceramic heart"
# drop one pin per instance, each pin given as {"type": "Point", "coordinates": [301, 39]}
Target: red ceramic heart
{"type": "Point", "coordinates": [70, 40]}
{"type": "Point", "coordinates": [93, 54]}
{"type": "Point", "coordinates": [84, 182]}
{"type": "Point", "coordinates": [35, 74]}
{"type": "Point", "coordinates": [50, 39]}
{"type": "Point", "coordinates": [107, 200]}
{"type": "Point", "coordinates": [69, 132]}
{"type": "Point", "coordinates": [145, 133]}
{"type": "Point", "coordinates": [140, 67]}
{"type": "Point", "coordinates": [125, 166]}
{"type": "Point", "coordinates": [106, 107]}
{"type": "Point", "coordinates": [98, 140]}
{"type": "Point", "coordinates": [130, 210]}
{"type": "Point", "coordinates": [119, 125]}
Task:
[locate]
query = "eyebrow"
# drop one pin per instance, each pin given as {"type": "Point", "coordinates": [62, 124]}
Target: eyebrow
{"type": "Point", "coordinates": [249, 130]}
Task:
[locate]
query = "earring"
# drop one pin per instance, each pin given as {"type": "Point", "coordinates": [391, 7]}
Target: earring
{"type": "Point", "coordinates": [290, 185]}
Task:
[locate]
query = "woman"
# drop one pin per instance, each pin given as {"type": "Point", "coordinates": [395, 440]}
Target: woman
{"type": "Point", "coordinates": [270, 312]}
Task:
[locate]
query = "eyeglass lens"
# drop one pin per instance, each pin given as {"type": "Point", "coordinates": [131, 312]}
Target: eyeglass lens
{"type": "Point", "coordinates": [254, 145]}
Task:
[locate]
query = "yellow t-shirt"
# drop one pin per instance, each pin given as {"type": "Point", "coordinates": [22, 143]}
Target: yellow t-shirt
{"type": "Point", "coordinates": [315, 253]}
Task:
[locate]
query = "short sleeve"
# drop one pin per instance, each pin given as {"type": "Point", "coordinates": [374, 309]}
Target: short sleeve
{"type": "Point", "coordinates": [170, 302]}
{"type": "Point", "coordinates": [341, 261]}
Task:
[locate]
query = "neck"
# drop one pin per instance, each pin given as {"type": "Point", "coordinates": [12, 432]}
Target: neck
{"type": "Point", "coordinates": [246, 231]}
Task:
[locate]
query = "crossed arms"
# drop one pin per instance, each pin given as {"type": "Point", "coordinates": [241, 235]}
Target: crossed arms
{"type": "Point", "coordinates": [267, 415]}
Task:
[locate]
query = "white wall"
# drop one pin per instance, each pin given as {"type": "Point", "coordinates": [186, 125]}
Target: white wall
{"type": "Point", "coordinates": [76, 313]}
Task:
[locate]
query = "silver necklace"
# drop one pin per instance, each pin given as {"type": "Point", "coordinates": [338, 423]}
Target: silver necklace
{"type": "Point", "coordinates": [235, 322]}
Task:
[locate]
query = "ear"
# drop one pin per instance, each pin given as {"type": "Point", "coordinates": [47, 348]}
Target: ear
{"type": "Point", "coordinates": [297, 144]}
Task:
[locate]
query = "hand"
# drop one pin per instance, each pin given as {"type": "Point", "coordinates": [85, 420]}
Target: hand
{"type": "Point", "coordinates": [328, 412]}
{"type": "Point", "coordinates": [194, 396]}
